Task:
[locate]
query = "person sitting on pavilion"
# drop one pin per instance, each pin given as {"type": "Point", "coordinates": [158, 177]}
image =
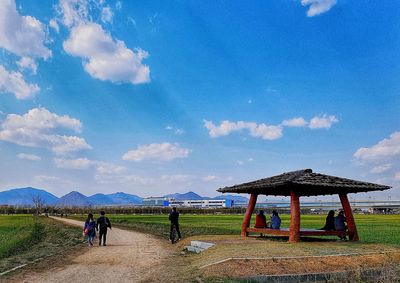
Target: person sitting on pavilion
{"type": "Point", "coordinates": [330, 221]}
{"type": "Point", "coordinates": [340, 223]}
{"type": "Point", "coordinates": [261, 221]}
{"type": "Point", "coordinates": [275, 220]}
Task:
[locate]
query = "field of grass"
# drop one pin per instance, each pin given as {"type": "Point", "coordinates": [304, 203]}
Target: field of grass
{"type": "Point", "coordinates": [371, 228]}
{"type": "Point", "coordinates": [18, 233]}
{"type": "Point", "coordinates": [24, 238]}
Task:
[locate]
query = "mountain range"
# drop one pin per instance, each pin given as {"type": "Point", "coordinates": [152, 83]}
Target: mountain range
{"type": "Point", "coordinates": [24, 197]}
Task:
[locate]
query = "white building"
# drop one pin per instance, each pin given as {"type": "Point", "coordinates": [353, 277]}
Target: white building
{"type": "Point", "coordinates": [202, 203]}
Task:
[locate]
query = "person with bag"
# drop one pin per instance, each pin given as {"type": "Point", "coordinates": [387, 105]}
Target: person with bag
{"type": "Point", "coordinates": [89, 229]}
{"type": "Point", "coordinates": [102, 224]}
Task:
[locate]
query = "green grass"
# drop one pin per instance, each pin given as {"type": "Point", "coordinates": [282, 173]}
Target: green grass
{"type": "Point", "coordinates": [18, 233]}
{"type": "Point", "coordinates": [24, 238]}
{"type": "Point", "coordinates": [372, 228]}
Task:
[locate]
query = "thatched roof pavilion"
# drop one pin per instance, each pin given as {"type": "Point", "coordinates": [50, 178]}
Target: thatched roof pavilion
{"type": "Point", "coordinates": [302, 183]}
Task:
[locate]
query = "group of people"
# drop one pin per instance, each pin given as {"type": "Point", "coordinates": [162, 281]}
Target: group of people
{"type": "Point", "coordinates": [261, 220]}
{"type": "Point", "coordinates": [91, 226]}
{"type": "Point", "coordinates": [335, 223]}
{"type": "Point", "coordinates": [102, 223]}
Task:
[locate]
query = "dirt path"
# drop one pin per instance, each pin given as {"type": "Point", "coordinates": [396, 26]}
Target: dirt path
{"type": "Point", "coordinates": [128, 257]}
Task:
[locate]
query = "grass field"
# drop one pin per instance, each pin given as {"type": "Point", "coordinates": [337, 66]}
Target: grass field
{"type": "Point", "coordinates": [17, 233]}
{"type": "Point", "coordinates": [24, 238]}
{"type": "Point", "coordinates": [372, 228]}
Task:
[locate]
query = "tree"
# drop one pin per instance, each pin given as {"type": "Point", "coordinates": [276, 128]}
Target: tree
{"type": "Point", "coordinates": [38, 204]}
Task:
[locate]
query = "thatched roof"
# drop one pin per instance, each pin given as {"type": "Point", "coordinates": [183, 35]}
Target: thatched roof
{"type": "Point", "coordinates": [304, 183]}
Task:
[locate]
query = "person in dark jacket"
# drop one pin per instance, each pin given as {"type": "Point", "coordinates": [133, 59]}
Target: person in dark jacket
{"type": "Point", "coordinates": [330, 221]}
{"type": "Point", "coordinates": [89, 229]}
{"type": "Point", "coordinates": [340, 223]}
{"type": "Point", "coordinates": [102, 224]}
{"type": "Point", "coordinates": [174, 218]}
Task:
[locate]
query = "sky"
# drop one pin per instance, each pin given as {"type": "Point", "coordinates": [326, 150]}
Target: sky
{"type": "Point", "coordinates": [157, 97]}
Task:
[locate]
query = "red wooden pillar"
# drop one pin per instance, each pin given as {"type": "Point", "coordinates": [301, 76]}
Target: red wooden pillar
{"type": "Point", "coordinates": [351, 224]}
{"type": "Point", "coordinates": [294, 233]}
{"type": "Point", "coordinates": [249, 212]}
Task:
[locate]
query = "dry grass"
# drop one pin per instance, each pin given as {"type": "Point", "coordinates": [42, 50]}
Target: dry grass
{"type": "Point", "coordinates": [267, 256]}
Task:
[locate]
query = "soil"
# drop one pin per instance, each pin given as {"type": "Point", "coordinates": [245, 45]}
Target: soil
{"type": "Point", "coordinates": [128, 257]}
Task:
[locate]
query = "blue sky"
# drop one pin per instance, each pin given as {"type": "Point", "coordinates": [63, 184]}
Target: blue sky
{"type": "Point", "coordinates": [154, 97]}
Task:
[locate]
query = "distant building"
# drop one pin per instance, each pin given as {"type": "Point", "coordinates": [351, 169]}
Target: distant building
{"type": "Point", "coordinates": [202, 203]}
{"type": "Point", "coordinates": [155, 201]}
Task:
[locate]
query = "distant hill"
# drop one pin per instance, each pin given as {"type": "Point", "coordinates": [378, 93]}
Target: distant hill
{"type": "Point", "coordinates": [74, 198]}
{"type": "Point", "coordinates": [100, 199]}
{"type": "Point", "coordinates": [188, 195]}
{"type": "Point", "coordinates": [23, 196]}
{"type": "Point", "coordinates": [123, 198]}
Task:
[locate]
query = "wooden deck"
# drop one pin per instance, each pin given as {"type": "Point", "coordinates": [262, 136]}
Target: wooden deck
{"type": "Point", "coordinates": [303, 232]}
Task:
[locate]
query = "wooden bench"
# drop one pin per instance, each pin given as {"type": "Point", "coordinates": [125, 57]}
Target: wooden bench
{"type": "Point", "coordinates": [303, 232]}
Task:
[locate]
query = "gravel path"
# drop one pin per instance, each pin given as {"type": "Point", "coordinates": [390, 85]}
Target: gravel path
{"type": "Point", "coordinates": [128, 257]}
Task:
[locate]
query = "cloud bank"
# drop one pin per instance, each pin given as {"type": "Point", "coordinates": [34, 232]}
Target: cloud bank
{"type": "Point", "coordinates": [265, 131]}
{"type": "Point", "coordinates": [41, 128]}
{"type": "Point", "coordinates": [156, 152]}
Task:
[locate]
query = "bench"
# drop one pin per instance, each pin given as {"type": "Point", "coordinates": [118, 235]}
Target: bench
{"type": "Point", "coordinates": [303, 232]}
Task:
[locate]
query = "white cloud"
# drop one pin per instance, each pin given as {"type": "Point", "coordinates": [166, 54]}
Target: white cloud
{"type": "Point", "coordinates": [21, 35]}
{"type": "Point", "coordinates": [123, 179]}
{"type": "Point", "coordinates": [79, 163]}
{"type": "Point", "coordinates": [74, 12]}
{"type": "Point", "coordinates": [176, 131]}
{"type": "Point", "coordinates": [27, 63]}
{"type": "Point", "coordinates": [383, 150]}
{"type": "Point", "coordinates": [209, 178]}
{"type": "Point", "coordinates": [13, 82]}
{"type": "Point", "coordinates": [39, 128]}
{"type": "Point", "coordinates": [106, 15]}
{"type": "Point", "coordinates": [54, 25]}
{"type": "Point", "coordinates": [131, 21]}
{"type": "Point", "coordinates": [318, 7]}
{"type": "Point", "coordinates": [322, 122]}
{"type": "Point", "coordinates": [242, 162]}
{"type": "Point", "coordinates": [178, 178]}
{"type": "Point", "coordinates": [158, 152]}
{"type": "Point", "coordinates": [52, 181]}
{"type": "Point", "coordinates": [31, 157]}
{"type": "Point", "coordinates": [105, 58]}
{"type": "Point", "coordinates": [381, 168]}
{"type": "Point", "coordinates": [262, 130]}
{"type": "Point", "coordinates": [397, 176]}
{"type": "Point", "coordinates": [109, 168]}
{"type": "Point", "coordinates": [295, 122]}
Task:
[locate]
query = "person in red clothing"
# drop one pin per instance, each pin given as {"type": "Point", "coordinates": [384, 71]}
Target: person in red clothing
{"type": "Point", "coordinates": [261, 221]}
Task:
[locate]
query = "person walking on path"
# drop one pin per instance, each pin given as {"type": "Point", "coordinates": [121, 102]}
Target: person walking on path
{"type": "Point", "coordinates": [102, 224]}
{"type": "Point", "coordinates": [174, 218]}
{"type": "Point", "coordinates": [89, 229]}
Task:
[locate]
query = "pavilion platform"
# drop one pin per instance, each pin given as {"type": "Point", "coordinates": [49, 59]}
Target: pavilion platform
{"type": "Point", "coordinates": [302, 183]}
